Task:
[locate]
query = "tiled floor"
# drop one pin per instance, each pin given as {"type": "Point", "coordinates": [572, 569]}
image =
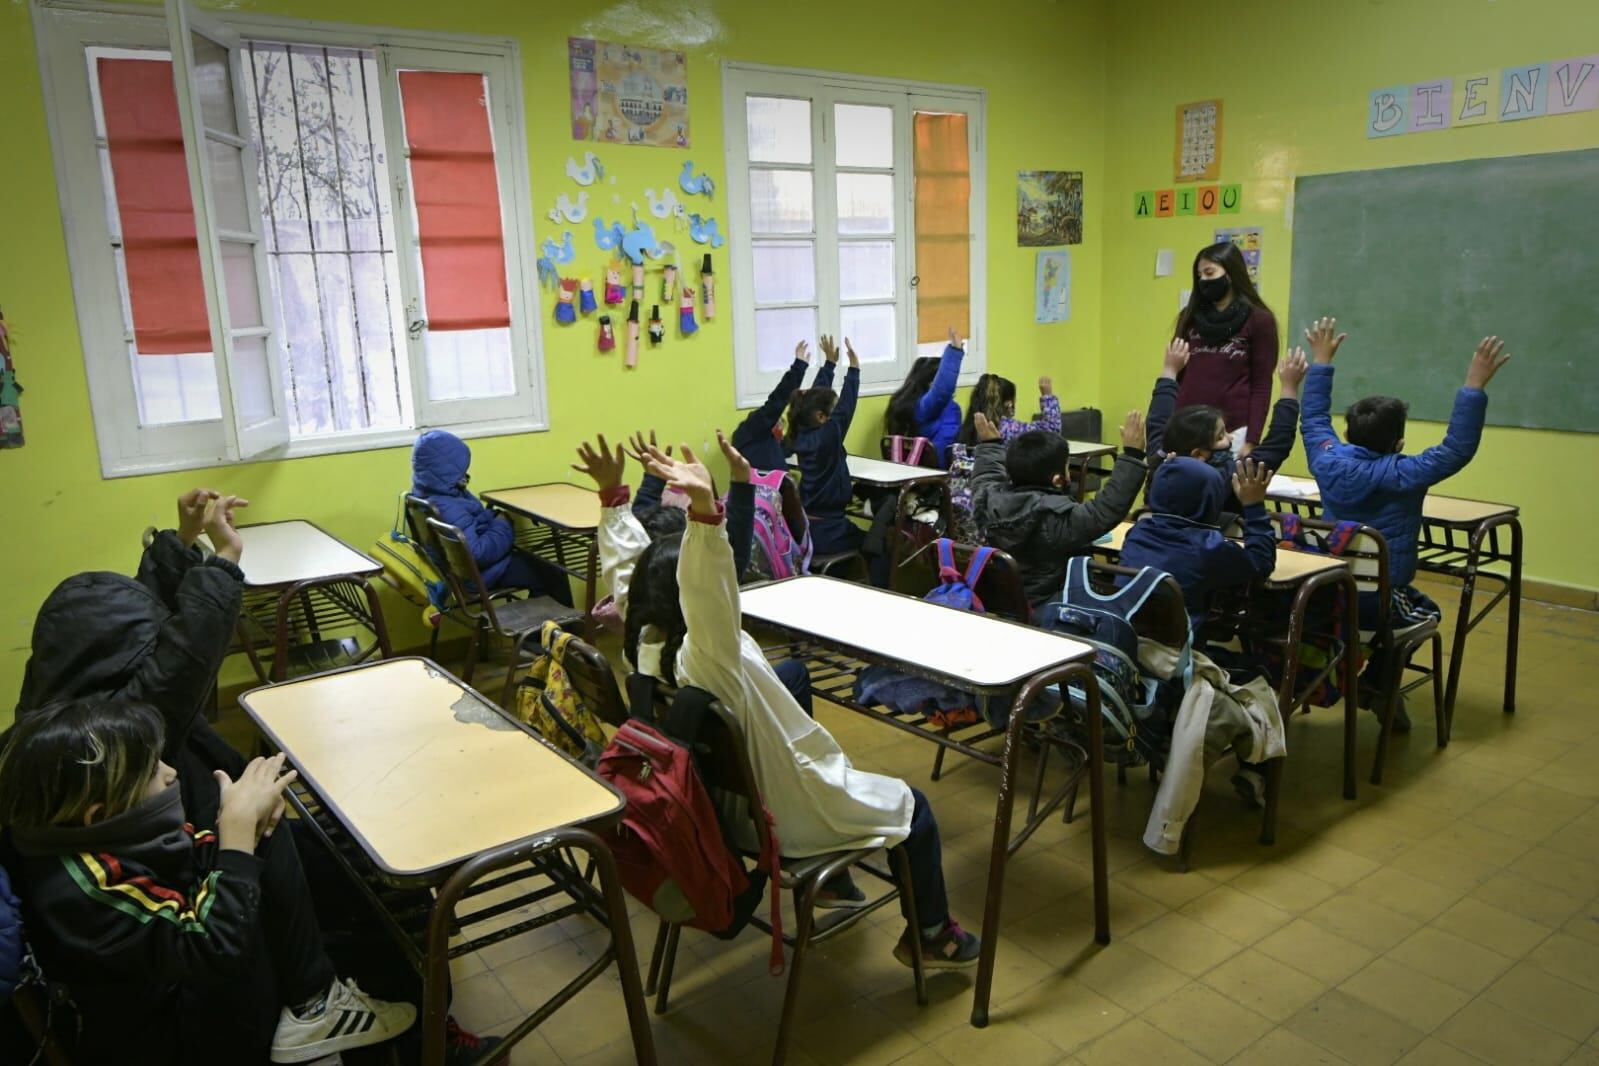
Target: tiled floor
{"type": "Point", "coordinates": [1449, 916]}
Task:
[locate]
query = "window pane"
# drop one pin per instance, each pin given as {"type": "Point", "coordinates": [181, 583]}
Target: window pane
{"type": "Point", "coordinates": [865, 135]}
{"type": "Point", "coordinates": [870, 329]}
{"type": "Point", "coordinates": [238, 276]}
{"type": "Point", "coordinates": [866, 270]}
{"type": "Point", "coordinates": [865, 203]}
{"type": "Point", "coordinates": [175, 388]}
{"type": "Point", "coordinates": [776, 333]}
{"type": "Point", "coordinates": [469, 364]}
{"type": "Point", "coordinates": [779, 129]}
{"type": "Point", "coordinates": [781, 201]}
{"type": "Point", "coordinates": [227, 186]}
{"type": "Point", "coordinates": [250, 378]}
{"type": "Point", "coordinates": [215, 84]}
{"type": "Point", "coordinates": [785, 272]}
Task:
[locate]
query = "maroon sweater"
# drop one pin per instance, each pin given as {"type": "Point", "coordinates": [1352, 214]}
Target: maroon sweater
{"type": "Point", "coordinates": [1234, 375]}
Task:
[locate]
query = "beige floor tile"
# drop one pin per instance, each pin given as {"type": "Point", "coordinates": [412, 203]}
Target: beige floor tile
{"type": "Point", "coordinates": [1013, 1045]}
{"type": "Point", "coordinates": [1451, 959]}
{"type": "Point", "coordinates": [1160, 882]}
{"type": "Point", "coordinates": [1185, 944]}
{"type": "Point", "coordinates": [1530, 992]}
{"type": "Point", "coordinates": [1353, 1031]}
{"type": "Point", "coordinates": [1207, 1021]}
{"type": "Point", "coordinates": [1571, 873]}
{"type": "Point", "coordinates": [861, 1033]}
{"type": "Point", "coordinates": [1500, 1038]}
{"type": "Point", "coordinates": [1137, 1043]}
{"type": "Point", "coordinates": [1368, 924]}
{"type": "Point", "coordinates": [1529, 899]}
{"type": "Point", "coordinates": [1063, 1011]}
{"type": "Point", "coordinates": [1566, 956]}
{"type": "Point", "coordinates": [1435, 1052]}
{"type": "Point", "coordinates": [1587, 1055]}
{"type": "Point", "coordinates": [1280, 1047]}
{"type": "Point", "coordinates": [1265, 985]}
{"type": "Point", "coordinates": [1409, 995]}
{"type": "Point", "coordinates": [1406, 893]}
{"type": "Point", "coordinates": [1492, 928]}
{"type": "Point", "coordinates": [1585, 924]}
{"type": "Point", "coordinates": [1337, 866]}
{"type": "Point", "coordinates": [1127, 976]}
{"type": "Point", "coordinates": [1283, 887]}
{"type": "Point", "coordinates": [1236, 914]}
{"type": "Point", "coordinates": [1446, 867]}
{"type": "Point", "coordinates": [1309, 948]}
{"type": "Point", "coordinates": [480, 1003]}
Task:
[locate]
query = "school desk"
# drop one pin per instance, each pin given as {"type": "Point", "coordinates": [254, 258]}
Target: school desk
{"type": "Point", "coordinates": [562, 524]}
{"type": "Point", "coordinates": [430, 795]}
{"type": "Point", "coordinates": [1459, 539]}
{"type": "Point", "coordinates": [840, 627]}
{"type": "Point", "coordinates": [900, 480]}
{"type": "Point", "coordinates": [1084, 455]}
{"type": "Point", "coordinates": [302, 582]}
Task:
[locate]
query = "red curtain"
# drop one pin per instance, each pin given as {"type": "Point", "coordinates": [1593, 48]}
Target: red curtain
{"type": "Point", "coordinates": [943, 225]}
{"type": "Point", "coordinates": [457, 199]}
{"type": "Point", "coordinates": [159, 245]}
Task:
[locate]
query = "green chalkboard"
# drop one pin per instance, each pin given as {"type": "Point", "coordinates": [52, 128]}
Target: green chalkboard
{"type": "Point", "coordinates": [1419, 263]}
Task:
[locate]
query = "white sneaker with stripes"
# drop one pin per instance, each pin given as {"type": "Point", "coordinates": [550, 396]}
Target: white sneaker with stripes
{"type": "Point", "coordinates": [349, 1019]}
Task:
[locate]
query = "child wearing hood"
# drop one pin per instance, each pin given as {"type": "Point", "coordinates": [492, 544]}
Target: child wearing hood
{"type": "Point", "coordinates": [439, 473]}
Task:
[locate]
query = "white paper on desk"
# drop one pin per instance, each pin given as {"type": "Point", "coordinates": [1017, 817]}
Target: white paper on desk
{"type": "Point", "coordinates": [1288, 486]}
{"type": "Point", "coordinates": [1165, 262]}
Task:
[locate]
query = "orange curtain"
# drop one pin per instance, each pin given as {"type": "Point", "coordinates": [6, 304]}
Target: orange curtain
{"type": "Point", "coordinates": [943, 176]}
{"type": "Point", "coordinates": [457, 199]}
{"type": "Point", "coordinates": [161, 253]}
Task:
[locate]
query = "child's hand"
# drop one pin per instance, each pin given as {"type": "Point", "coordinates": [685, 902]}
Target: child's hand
{"type": "Point", "coordinates": [252, 804]}
{"type": "Point", "coordinates": [986, 430]}
{"type": "Point", "coordinates": [1250, 479]}
{"type": "Point", "coordinates": [854, 360]}
{"type": "Point", "coordinates": [192, 506]}
{"type": "Point", "coordinates": [600, 463]}
{"type": "Point", "coordinates": [738, 466]}
{"type": "Point", "coordinates": [1176, 358]}
{"type": "Point", "coordinates": [1133, 430]}
{"type": "Point", "coordinates": [1291, 372]}
{"type": "Point", "coordinates": [1485, 363]}
{"type": "Point", "coordinates": [1323, 340]}
{"type": "Point", "coordinates": [955, 339]}
{"type": "Point", "coordinates": [689, 476]}
{"type": "Point", "coordinates": [638, 446]}
{"type": "Point", "coordinates": [829, 348]}
{"type": "Point", "coordinates": [221, 527]}
{"type": "Point", "coordinates": [1046, 386]}
{"type": "Point", "coordinates": [802, 353]}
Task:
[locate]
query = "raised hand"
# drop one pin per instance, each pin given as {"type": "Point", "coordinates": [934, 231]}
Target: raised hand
{"type": "Point", "coordinates": [955, 339]}
{"type": "Point", "coordinates": [1291, 372]}
{"type": "Point", "coordinates": [221, 527]}
{"type": "Point", "coordinates": [1133, 430]}
{"type": "Point", "coordinates": [854, 360]}
{"type": "Point", "coordinates": [1176, 358]}
{"type": "Point", "coordinates": [1250, 479]}
{"type": "Point", "coordinates": [829, 348]}
{"type": "Point", "coordinates": [601, 464]}
{"type": "Point", "coordinates": [1485, 363]}
{"type": "Point", "coordinates": [1323, 338]}
{"type": "Point", "coordinates": [802, 352]}
{"type": "Point", "coordinates": [638, 446]}
{"type": "Point", "coordinates": [192, 507]}
{"type": "Point", "coordinates": [986, 430]}
{"type": "Point", "coordinates": [688, 475]}
{"type": "Point", "coordinates": [738, 466]}
{"type": "Point", "coordinates": [1046, 386]}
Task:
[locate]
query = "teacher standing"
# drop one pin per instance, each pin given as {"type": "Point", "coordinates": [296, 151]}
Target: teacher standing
{"type": "Point", "coordinates": [1232, 337]}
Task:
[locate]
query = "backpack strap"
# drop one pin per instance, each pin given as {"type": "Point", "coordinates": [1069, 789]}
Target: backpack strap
{"type": "Point", "coordinates": [771, 862]}
{"type": "Point", "coordinates": [641, 696]}
{"type": "Point", "coordinates": [975, 568]}
{"type": "Point", "coordinates": [946, 558]}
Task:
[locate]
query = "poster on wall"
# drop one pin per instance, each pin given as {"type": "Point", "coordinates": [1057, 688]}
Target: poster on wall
{"type": "Point", "coordinates": [1249, 241]}
{"type": "Point", "coordinates": [1052, 287]}
{"type": "Point", "coordinates": [1049, 208]}
{"type": "Point", "coordinates": [622, 94]}
{"type": "Point", "coordinates": [1198, 156]}
{"type": "Point", "coordinates": [10, 393]}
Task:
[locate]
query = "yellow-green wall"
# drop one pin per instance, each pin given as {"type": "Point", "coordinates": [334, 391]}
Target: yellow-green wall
{"type": "Point", "coordinates": [1294, 78]}
{"type": "Point", "coordinates": [1042, 64]}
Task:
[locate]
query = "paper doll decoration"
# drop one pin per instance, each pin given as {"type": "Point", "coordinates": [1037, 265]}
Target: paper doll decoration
{"type": "Point", "coordinates": [585, 300]}
{"type": "Point", "coordinates": [669, 284]}
{"type": "Point", "coordinates": [657, 327]}
{"type": "Point", "coordinates": [564, 313]}
{"type": "Point", "coordinates": [613, 287]}
{"type": "Point", "coordinates": [685, 310]}
{"type": "Point", "coordinates": [708, 286]}
{"type": "Point", "coordinates": [632, 334]}
{"type": "Point", "coordinates": [607, 336]}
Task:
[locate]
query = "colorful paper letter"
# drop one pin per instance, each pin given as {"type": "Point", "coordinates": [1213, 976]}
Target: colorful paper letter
{"type": "Point", "coordinates": [1185, 201]}
{"type": "Point", "coordinates": [1385, 116]}
{"type": "Point", "coordinates": [1144, 205]}
{"type": "Point", "coordinates": [1165, 203]}
{"type": "Point", "coordinates": [1209, 199]}
{"type": "Point", "coordinates": [1232, 198]}
{"type": "Point", "coordinates": [1524, 92]}
{"type": "Point", "coordinates": [1574, 85]}
{"type": "Point", "coordinates": [1472, 103]}
{"type": "Point", "coordinates": [1429, 105]}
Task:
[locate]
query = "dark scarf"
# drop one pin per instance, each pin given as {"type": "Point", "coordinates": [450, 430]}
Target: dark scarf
{"type": "Point", "coordinates": [1217, 327]}
{"type": "Point", "coordinates": [150, 829]}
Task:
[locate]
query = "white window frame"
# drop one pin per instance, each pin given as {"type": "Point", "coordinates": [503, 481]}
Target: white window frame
{"type": "Point", "coordinates": [65, 29]}
{"type": "Point", "coordinates": [824, 90]}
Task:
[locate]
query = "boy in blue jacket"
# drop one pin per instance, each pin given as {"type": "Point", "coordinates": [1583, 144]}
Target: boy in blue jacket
{"type": "Point", "coordinates": [1368, 478]}
{"type": "Point", "coordinates": [439, 464]}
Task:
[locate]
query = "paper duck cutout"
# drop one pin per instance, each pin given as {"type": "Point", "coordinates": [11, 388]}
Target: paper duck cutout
{"type": "Point", "coordinates": [573, 212]}
{"type": "Point", "coordinates": [639, 242]}
{"type": "Point", "coordinates": [590, 171]}
{"type": "Point", "coordinates": [665, 205]}
{"type": "Point", "coordinates": [607, 237]}
{"type": "Point", "coordinates": [562, 253]}
{"type": "Point", "coordinates": [704, 231]}
{"type": "Point", "coordinates": [696, 184]}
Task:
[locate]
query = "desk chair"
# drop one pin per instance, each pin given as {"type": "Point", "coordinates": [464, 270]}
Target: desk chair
{"type": "Point", "coordinates": [320, 608]}
{"type": "Point", "coordinates": [492, 618]}
{"type": "Point", "coordinates": [912, 451]}
{"type": "Point", "coordinates": [418, 510]}
{"type": "Point", "coordinates": [722, 758]}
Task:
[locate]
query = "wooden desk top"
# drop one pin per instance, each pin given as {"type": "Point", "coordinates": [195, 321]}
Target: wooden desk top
{"type": "Point", "coordinates": [1291, 568]}
{"type": "Point", "coordinates": [974, 649]}
{"type": "Point", "coordinates": [883, 472]}
{"type": "Point", "coordinates": [561, 504]}
{"type": "Point", "coordinates": [1090, 449]}
{"type": "Point", "coordinates": [422, 770]}
{"type": "Point", "coordinates": [281, 553]}
{"type": "Point", "coordinates": [1442, 510]}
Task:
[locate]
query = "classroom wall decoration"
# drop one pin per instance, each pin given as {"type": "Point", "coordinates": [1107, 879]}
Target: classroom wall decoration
{"type": "Point", "coordinates": [1198, 154]}
{"type": "Point", "coordinates": [1197, 200]}
{"type": "Point", "coordinates": [1049, 208]}
{"type": "Point", "coordinates": [1249, 241]}
{"type": "Point", "coordinates": [1052, 287]}
{"type": "Point", "coordinates": [1559, 87]}
{"type": "Point", "coordinates": [10, 393]}
{"type": "Point", "coordinates": [624, 94]}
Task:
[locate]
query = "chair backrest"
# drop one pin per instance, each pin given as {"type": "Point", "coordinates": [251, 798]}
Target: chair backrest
{"type": "Point", "coordinates": [592, 677]}
{"type": "Point", "coordinates": [898, 449]}
{"type": "Point", "coordinates": [418, 510]}
{"type": "Point", "coordinates": [461, 572]}
{"type": "Point", "coordinates": [326, 605]}
{"type": "Point", "coordinates": [1162, 618]}
{"type": "Point", "coordinates": [1367, 556]}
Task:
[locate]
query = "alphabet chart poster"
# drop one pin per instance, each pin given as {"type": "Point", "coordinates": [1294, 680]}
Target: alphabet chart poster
{"type": "Point", "coordinates": [1199, 141]}
{"type": "Point", "coordinates": [1249, 241]}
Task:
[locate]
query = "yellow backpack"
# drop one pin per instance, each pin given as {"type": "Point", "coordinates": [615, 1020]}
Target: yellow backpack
{"type": "Point", "coordinates": [547, 701]}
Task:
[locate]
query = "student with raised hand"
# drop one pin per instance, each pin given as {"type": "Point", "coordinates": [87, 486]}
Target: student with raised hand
{"type": "Point", "coordinates": [680, 602]}
{"type": "Point", "coordinates": [924, 406]}
{"type": "Point", "coordinates": [995, 398]}
{"type": "Point", "coordinates": [759, 438]}
{"type": "Point", "coordinates": [1367, 477]}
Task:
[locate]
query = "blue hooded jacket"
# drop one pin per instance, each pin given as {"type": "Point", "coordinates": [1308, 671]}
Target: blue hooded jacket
{"type": "Point", "coordinates": [1181, 536]}
{"type": "Point", "coordinates": [1384, 491]}
{"type": "Point", "coordinates": [938, 416]}
{"type": "Point", "coordinates": [438, 471]}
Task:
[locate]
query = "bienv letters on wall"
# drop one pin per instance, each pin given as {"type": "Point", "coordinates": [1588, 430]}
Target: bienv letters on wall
{"type": "Point", "coordinates": [1537, 90]}
{"type": "Point", "coordinates": [1189, 200]}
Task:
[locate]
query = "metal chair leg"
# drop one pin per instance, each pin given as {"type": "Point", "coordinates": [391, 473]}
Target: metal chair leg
{"type": "Point", "coordinates": [804, 904]}
{"type": "Point", "coordinates": [907, 893]}
{"type": "Point", "coordinates": [664, 988]}
{"type": "Point", "coordinates": [657, 953]}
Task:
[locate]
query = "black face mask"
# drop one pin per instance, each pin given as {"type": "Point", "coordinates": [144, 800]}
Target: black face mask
{"type": "Point", "coordinates": [1213, 289]}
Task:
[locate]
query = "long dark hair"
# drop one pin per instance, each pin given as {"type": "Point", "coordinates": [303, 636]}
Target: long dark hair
{"type": "Point", "coordinates": [70, 759]}
{"type": "Point", "coordinates": [901, 417]}
{"type": "Point", "coordinates": [804, 405]}
{"type": "Point", "coordinates": [653, 601]}
{"type": "Point", "coordinates": [1230, 258]}
{"type": "Point", "coordinates": [991, 395]}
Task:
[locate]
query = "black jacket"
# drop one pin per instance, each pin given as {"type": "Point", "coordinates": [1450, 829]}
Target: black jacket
{"type": "Point", "coordinates": [1272, 450]}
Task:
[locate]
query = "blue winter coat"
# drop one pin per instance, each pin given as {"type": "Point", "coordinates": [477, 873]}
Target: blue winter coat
{"type": "Point", "coordinates": [756, 437]}
{"type": "Point", "coordinates": [825, 485]}
{"type": "Point", "coordinates": [438, 471]}
{"type": "Point", "coordinates": [1181, 536]}
{"type": "Point", "coordinates": [1384, 491]}
{"type": "Point", "coordinates": [938, 416]}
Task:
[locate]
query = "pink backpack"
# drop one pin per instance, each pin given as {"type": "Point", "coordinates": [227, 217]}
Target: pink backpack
{"type": "Point", "coordinates": [779, 552]}
{"type": "Point", "coordinates": [907, 450]}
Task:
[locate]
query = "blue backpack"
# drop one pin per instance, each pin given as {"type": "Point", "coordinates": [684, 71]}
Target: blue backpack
{"type": "Point", "coordinates": [955, 589]}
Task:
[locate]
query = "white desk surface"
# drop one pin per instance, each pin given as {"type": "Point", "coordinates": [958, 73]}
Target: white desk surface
{"type": "Point", "coordinates": [1445, 510]}
{"type": "Point", "coordinates": [984, 651]}
{"type": "Point", "coordinates": [883, 472]}
{"type": "Point", "coordinates": [1090, 449]}
{"type": "Point", "coordinates": [425, 772]}
{"type": "Point", "coordinates": [1291, 567]}
{"type": "Point", "coordinates": [570, 506]}
{"type": "Point", "coordinates": [281, 553]}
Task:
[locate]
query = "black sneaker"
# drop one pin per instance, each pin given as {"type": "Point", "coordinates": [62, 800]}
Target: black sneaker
{"type": "Point", "coordinates": [462, 1047]}
{"type": "Point", "coordinates": [841, 893]}
{"type": "Point", "coordinates": [952, 949]}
